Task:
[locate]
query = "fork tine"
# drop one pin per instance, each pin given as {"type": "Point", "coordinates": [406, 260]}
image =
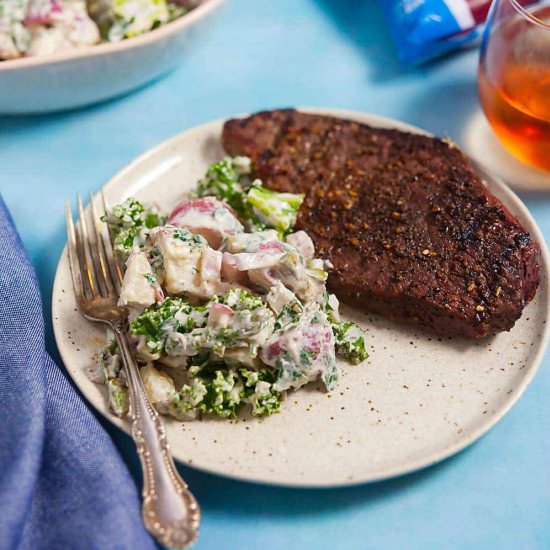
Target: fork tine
{"type": "Point", "coordinates": [85, 245]}
{"type": "Point", "coordinates": [73, 254]}
{"type": "Point", "coordinates": [104, 280]}
{"type": "Point", "coordinates": [112, 260]}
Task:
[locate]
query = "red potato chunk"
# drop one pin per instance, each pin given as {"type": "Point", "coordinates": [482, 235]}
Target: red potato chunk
{"type": "Point", "coordinates": [208, 217]}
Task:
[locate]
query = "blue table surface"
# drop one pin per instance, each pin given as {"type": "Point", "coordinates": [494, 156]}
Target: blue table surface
{"type": "Point", "coordinates": [257, 55]}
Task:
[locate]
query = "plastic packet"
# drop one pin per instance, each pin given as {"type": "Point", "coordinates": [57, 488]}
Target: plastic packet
{"type": "Point", "coordinates": [425, 29]}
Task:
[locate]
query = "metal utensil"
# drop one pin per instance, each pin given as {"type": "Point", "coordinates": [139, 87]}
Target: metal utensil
{"type": "Point", "coordinates": [170, 511]}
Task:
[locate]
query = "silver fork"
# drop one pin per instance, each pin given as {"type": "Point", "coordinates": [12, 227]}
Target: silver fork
{"type": "Point", "coordinates": [170, 511]}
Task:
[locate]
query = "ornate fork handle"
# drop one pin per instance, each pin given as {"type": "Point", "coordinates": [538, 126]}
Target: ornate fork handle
{"type": "Point", "coordinates": [170, 511]}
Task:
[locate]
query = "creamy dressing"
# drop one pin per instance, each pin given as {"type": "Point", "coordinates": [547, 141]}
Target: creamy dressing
{"type": "Point", "coordinates": [241, 312]}
{"type": "Point", "coordinates": [140, 288]}
{"type": "Point", "coordinates": [43, 27]}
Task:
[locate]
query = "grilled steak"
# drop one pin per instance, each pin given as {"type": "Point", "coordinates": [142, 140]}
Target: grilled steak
{"type": "Point", "coordinates": [410, 228]}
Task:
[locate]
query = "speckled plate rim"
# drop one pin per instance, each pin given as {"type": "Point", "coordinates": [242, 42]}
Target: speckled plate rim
{"type": "Point", "coordinates": [107, 48]}
{"type": "Point", "coordinates": [510, 199]}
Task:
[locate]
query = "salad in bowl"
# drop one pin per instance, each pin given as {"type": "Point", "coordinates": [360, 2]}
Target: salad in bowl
{"type": "Point", "coordinates": [44, 27]}
{"type": "Point", "coordinates": [228, 304]}
{"type": "Point", "coordinates": [63, 54]}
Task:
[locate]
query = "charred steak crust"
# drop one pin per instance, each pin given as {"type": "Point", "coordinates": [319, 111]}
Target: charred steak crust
{"type": "Point", "coordinates": [410, 228]}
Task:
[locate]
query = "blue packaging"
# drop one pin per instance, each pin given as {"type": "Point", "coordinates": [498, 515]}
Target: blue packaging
{"type": "Point", "coordinates": [425, 29]}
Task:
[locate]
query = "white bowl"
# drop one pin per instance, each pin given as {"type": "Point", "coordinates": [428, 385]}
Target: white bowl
{"type": "Point", "coordinates": [88, 75]}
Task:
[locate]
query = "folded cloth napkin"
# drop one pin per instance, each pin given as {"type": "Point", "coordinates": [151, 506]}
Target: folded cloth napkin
{"type": "Point", "coordinates": [63, 485]}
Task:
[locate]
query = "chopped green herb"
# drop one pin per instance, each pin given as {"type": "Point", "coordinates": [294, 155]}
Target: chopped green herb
{"type": "Point", "coordinates": [118, 397]}
{"type": "Point", "coordinates": [222, 391]}
{"type": "Point", "coordinates": [193, 239]}
{"type": "Point", "coordinates": [128, 222]}
{"type": "Point", "coordinates": [350, 342]}
{"type": "Point", "coordinates": [289, 316]}
{"type": "Point", "coordinates": [172, 315]}
{"type": "Point", "coordinates": [240, 299]}
{"type": "Point", "coordinates": [260, 207]}
{"type": "Point", "coordinates": [223, 181]}
{"type": "Point", "coordinates": [151, 279]}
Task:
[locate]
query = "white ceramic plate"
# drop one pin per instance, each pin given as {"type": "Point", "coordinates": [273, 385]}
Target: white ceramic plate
{"type": "Point", "coordinates": [86, 75]}
{"type": "Point", "coordinates": [417, 400]}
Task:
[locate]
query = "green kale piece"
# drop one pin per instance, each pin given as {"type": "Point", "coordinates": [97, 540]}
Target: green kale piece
{"type": "Point", "coordinates": [259, 207]}
{"type": "Point", "coordinates": [259, 392]}
{"type": "Point", "coordinates": [218, 390]}
{"type": "Point", "coordinates": [223, 394]}
{"type": "Point", "coordinates": [289, 316]}
{"type": "Point", "coordinates": [349, 337]}
{"type": "Point", "coordinates": [159, 320]}
{"type": "Point", "coordinates": [240, 299]}
{"type": "Point", "coordinates": [223, 181]}
{"type": "Point", "coordinates": [194, 240]}
{"type": "Point", "coordinates": [128, 221]}
{"type": "Point", "coordinates": [350, 341]}
{"type": "Point", "coordinates": [118, 397]}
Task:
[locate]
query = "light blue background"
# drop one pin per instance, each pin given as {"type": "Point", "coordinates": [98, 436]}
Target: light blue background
{"type": "Point", "coordinates": [260, 54]}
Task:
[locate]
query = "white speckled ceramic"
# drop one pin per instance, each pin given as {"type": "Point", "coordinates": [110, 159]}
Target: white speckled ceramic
{"type": "Point", "coordinates": [417, 400]}
{"type": "Point", "coordinates": [87, 75]}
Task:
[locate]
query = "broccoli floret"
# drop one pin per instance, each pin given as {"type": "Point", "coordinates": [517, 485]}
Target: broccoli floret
{"type": "Point", "coordinates": [269, 209]}
{"type": "Point", "coordinates": [128, 221]}
{"type": "Point", "coordinates": [350, 341]}
{"type": "Point", "coordinates": [172, 315]}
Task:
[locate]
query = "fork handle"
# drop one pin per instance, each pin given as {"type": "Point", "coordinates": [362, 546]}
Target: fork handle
{"type": "Point", "coordinates": [170, 511]}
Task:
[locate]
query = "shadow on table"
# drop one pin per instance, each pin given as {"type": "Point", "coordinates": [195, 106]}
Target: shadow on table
{"type": "Point", "coordinates": [231, 497]}
{"type": "Point", "coordinates": [362, 23]}
{"type": "Point", "coordinates": [443, 109]}
{"type": "Point", "coordinates": [10, 124]}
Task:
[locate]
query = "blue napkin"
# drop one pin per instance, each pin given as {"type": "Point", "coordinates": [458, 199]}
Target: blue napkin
{"type": "Point", "coordinates": [63, 485]}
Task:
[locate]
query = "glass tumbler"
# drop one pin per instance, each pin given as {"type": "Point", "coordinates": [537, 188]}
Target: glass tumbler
{"type": "Point", "coordinates": [514, 78]}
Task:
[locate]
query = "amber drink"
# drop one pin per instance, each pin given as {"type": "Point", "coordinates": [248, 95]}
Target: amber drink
{"type": "Point", "coordinates": [514, 78]}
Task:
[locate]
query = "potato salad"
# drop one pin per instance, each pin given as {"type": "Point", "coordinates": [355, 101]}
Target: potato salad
{"type": "Point", "coordinates": [228, 308]}
{"type": "Point", "coordinates": [41, 27]}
